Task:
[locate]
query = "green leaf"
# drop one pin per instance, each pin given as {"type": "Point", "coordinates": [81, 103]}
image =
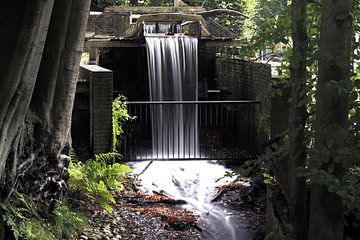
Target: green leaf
{"type": "Point", "coordinates": [331, 168]}
{"type": "Point", "coordinates": [330, 143]}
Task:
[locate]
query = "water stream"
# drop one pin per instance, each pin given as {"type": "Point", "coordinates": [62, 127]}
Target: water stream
{"type": "Point", "coordinates": [194, 182]}
{"type": "Point", "coordinates": [172, 62]}
{"type": "Point", "coordinates": [173, 73]}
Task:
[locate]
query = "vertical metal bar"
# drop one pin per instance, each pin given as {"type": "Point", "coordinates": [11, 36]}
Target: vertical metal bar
{"type": "Point", "coordinates": [157, 131]}
{"type": "Point", "coordinates": [183, 133]}
{"type": "Point", "coordinates": [211, 116]}
{"type": "Point", "coordinates": [173, 139]}
{"type": "Point", "coordinates": [194, 127]}
{"type": "Point", "coordinates": [139, 114]}
{"type": "Point", "coordinates": [206, 106]}
{"type": "Point", "coordinates": [227, 116]}
{"type": "Point", "coordinates": [168, 137]}
{"type": "Point", "coordinates": [231, 120]}
{"type": "Point", "coordinates": [222, 107]}
{"type": "Point", "coordinates": [179, 109]}
{"type": "Point", "coordinates": [189, 137]}
{"type": "Point", "coordinates": [216, 114]}
{"type": "Point", "coordinates": [146, 129]}
{"type": "Point", "coordinates": [162, 131]}
{"type": "Point", "coordinates": [146, 115]}
{"type": "Point", "coordinates": [200, 106]}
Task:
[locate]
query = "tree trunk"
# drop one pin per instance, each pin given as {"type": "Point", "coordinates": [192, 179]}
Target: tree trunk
{"type": "Point", "coordinates": [53, 99]}
{"type": "Point", "coordinates": [32, 138]}
{"type": "Point", "coordinates": [297, 119]}
{"type": "Point", "coordinates": [24, 26]}
{"type": "Point", "coordinates": [331, 126]}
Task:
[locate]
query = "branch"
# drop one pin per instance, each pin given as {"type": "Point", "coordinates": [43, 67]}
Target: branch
{"type": "Point", "coordinates": [214, 12]}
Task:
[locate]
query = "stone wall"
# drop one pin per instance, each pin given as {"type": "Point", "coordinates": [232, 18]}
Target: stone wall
{"type": "Point", "coordinates": [92, 115]}
{"type": "Point", "coordinates": [243, 79]}
{"type": "Point", "coordinates": [108, 23]}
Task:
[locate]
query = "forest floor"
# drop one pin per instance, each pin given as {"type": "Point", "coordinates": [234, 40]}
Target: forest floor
{"type": "Point", "coordinates": [140, 216]}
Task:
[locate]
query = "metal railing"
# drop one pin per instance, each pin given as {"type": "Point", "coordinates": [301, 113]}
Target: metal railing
{"type": "Point", "coordinates": [190, 130]}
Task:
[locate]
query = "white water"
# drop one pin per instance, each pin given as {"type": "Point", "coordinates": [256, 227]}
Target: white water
{"type": "Point", "coordinates": [194, 182]}
{"type": "Point", "coordinates": [173, 64]}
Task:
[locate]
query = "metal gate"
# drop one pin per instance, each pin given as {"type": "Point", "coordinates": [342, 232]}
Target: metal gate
{"type": "Point", "coordinates": [215, 130]}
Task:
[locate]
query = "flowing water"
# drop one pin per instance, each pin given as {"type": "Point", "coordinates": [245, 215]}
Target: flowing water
{"type": "Point", "coordinates": [173, 66]}
{"type": "Point", "coordinates": [172, 62]}
{"type": "Point", "coordinates": [195, 182]}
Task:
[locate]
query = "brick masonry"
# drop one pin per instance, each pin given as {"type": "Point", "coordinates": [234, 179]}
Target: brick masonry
{"type": "Point", "coordinates": [244, 79]}
{"type": "Point", "coordinates": [93, 108]}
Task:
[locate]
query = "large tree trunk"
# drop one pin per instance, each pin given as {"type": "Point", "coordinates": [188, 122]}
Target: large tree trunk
{"type": "Point", "coordinates": [33, 139]}
{"type": "Point", "coordinates": [331, 126]}
{"type": "Point", "coordinates": [53, 99]}
{"type": "Point", "coordinates": [24, 29]}
{"type": "Point", "coordinates": [297, 119]}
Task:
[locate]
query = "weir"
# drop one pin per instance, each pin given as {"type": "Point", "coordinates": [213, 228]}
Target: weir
{"type": "Point", "coordinates": [173, 76]}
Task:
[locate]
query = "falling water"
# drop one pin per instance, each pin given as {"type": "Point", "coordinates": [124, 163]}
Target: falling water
{"type": "Point", "coordinates": [173, 64]}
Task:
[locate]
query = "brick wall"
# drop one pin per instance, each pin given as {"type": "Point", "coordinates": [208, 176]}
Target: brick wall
{"type": "Point", "coordinates": [96, 83]}
{"type": "Point", "coordinates": [244, 79]}
{"type": "Point", "coordinates": [206, 71]}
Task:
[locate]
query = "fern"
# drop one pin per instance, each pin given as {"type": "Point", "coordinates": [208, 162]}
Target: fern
{"type": "Point", "coordinates": [22, 216]}
{"type": "Point", "coordinates": [68, 223]}
{"type": "Point", "coordinates": [107, 157]}
{"type": "Point", "coordinates": [34, 229]}
{"type": "Point", "coordinates": [96, 177]}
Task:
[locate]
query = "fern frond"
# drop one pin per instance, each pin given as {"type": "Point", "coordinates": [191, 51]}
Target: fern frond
{"type": "Point", "coordinates": [107, 157]}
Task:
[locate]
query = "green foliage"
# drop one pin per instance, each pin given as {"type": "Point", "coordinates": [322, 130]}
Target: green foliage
{"type": "Point", "coordinates": [120, 115]}
{"type": "Point", "coordinates": [33, 229]}
{"type": "Point", "coordinates": [68, 223]}
{"type": "Point", "coordinates": [24, 218]}
{"type": "Point", "coordinates": [96, 177]}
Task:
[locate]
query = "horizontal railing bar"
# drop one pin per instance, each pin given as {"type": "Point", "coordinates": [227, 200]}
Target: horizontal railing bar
{"type": "Point", "coordinates": [193, 102]}
{"type": "Point", "coordinates": [189, 159]}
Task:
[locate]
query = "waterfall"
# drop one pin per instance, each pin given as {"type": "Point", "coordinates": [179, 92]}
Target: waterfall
{"type": "Point", "coordinates": [173, 66]}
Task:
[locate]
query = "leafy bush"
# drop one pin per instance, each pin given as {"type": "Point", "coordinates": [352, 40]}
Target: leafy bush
{"type": "Point", "coordinates": [97, 176]}
{"type": "Point", "coordinates": [120, 115]}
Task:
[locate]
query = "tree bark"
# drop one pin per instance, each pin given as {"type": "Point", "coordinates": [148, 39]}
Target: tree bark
{"type": "Point", "coordinates": [331, 125]}
{"type": "Point", "coordinates": [25, 26]}
{"type": "Point", "coordinates": [297, 119]}
{"type": "Point", "coordinates": [53, 99]}
{"type": "Point", "coordinates": [32, 138]}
